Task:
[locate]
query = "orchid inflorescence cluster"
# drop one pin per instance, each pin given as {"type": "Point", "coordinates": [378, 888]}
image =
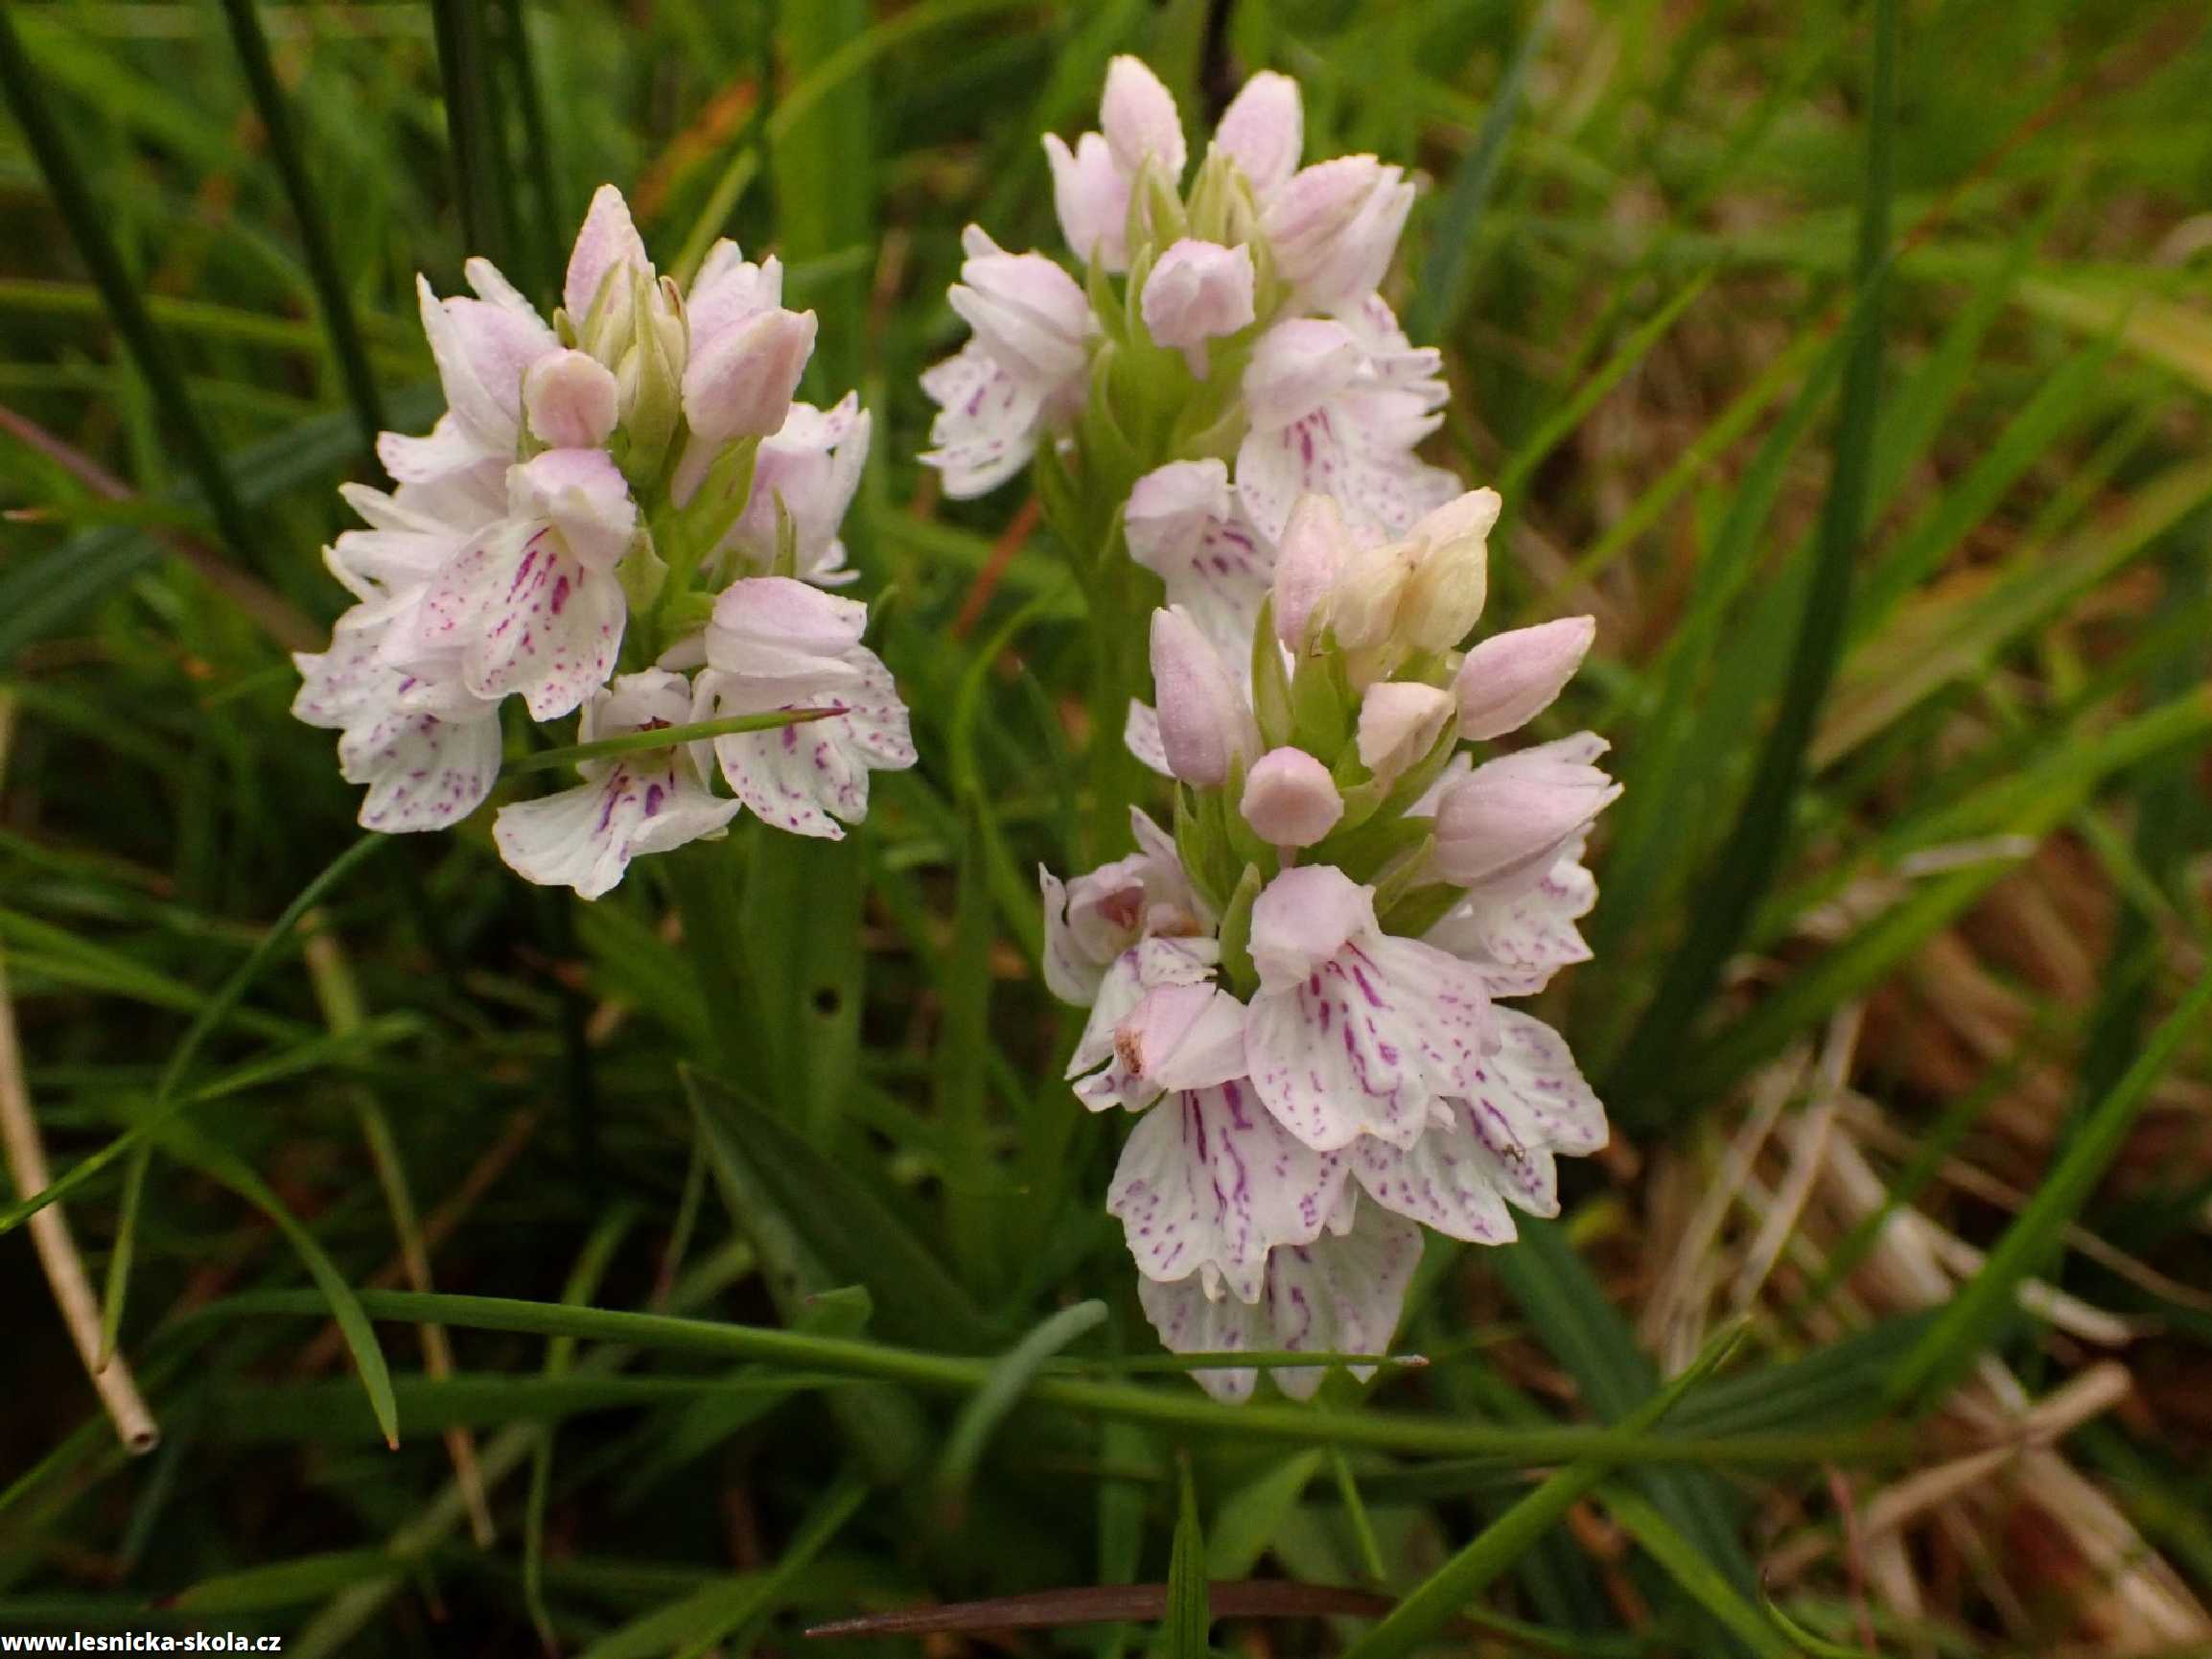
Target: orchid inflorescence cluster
{"type": "Point", "coordinates": [1297, 988]}
{"type": "Point", "coordinates": [623, 515]}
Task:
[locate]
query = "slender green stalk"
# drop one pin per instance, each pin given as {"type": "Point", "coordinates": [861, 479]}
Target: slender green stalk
{"type": "Point", "coordinates": [85, 220]}
{"type": "Point", "coordinates": [666, 737]}
{"type": "Point", "coordinates": [1747, 863]}
{"type": "Point", "coordinates": [549, 226]}
{"type": "Point", "coordinates": [466, 84]}
{"type": "Point", "coordinates": [1514, 1445]}
{"type": "Point", "coordinates": [322, 268]}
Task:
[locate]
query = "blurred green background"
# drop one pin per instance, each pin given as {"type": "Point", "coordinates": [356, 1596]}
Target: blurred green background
{"type": "Point", "coordinates": [1869, 421]}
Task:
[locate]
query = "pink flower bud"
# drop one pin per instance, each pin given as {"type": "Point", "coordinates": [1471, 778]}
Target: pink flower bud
{"type": "Point", "coordinates": [1205, 723]}
{"type": "Point", "coordinates": [1297, 366]}
{"type": "Point", "coordinates": [1504, 823]}
{"type": "Point", "coordinates": [1264, 130]}
{"type": "Point", "coordinates": [1139, 116]}
{"type": "Point", "coordinates": [1091, 196]}
{"type": "Point", "coordinates": [781, 634]}
{"type": "Point", "coordinates": [740, 385]}
{"type": "Point", "coordinates": [1307, 561]}
{"type": "Point", "coordinates": [609, 238]}
{"type": "Point", "coordinates": [569, 400]}
{"type": "Point", "coordinates": [1334, 226]}
{"type": "Point", "coordinates": [1027, 313]}
{"type": "Point", "coordinates": [1399, 722]}
{"type": "Point", "coordinates": [1198, 291]}
{"type": "Point", "coordinates": [1509, 679]}
{"type": "Point", "coordinates": [1289, 798]}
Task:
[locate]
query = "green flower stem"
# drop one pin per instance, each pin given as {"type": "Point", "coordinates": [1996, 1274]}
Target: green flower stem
{"type": "Point", "coordinates": [323, 269]}
{"type": "Point", "coordinates": [1514, 1445]}
{"type": "Point", "coordinates": [668, 736]}
{"type": "Point", "coordinates": [81, 213]}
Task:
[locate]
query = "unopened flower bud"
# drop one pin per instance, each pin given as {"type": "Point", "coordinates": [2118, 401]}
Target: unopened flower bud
{"type": "Point", "coordinates": [1399, 723]}
{"type": "Point", "coordinates": [1199, 290]}
{"type": "Point", "coordinates": [1289, 798]}
{"type": "Point", "coordinates": [1506, 821]}
{"type": "Point", "coordinates": [1509, 679]}
{"type": "Point", "coordinates": [1138, 114]}
{"type": "Point", "coordinates": [607, 242]}
{"type": "Point", "coordinates": [740, 385]}
{"type": "Point", "coordinates": [1028, 312]}
{"type": "Point", "coordinates": [1362, 607]}
{"type": "Point", "coordinates": [1334, 226]}
{"type": "Point", "coordinates": [1264, 130]}
{"type": "Point", "coordinates": [569, 400]}
{"type": "Point", "coordinates": [1091, 196]}
{"type": "Point", "coordinates": [1310, 557]}
{"type": "Point", "coordinates": [1205, 724]}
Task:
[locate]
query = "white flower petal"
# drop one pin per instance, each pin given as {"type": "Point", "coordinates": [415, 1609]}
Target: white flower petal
{"type": "Point", "coordinates": [1208, 1179]}
{"type": "Point", "coordinates": [585, 837]}
{"type": "Point", "coordinates": [987, 422]}
{"type": "Point", "coordinates": [423, 772]}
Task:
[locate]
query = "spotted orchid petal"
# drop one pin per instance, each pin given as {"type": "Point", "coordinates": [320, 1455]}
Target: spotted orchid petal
{"type": "Point", "coordinates": [1353, 1031]}
{"type": "Point", "coordinates": [1336, 1294]}
{"type": "Point", "coordinates": [987, 423]}
{"type": "Point", "coordinates": [422, 772]}
{"type": "Point", "coordinates": [1519, 940]}
{"type": "Point", "coordinates": [1209, 1183]}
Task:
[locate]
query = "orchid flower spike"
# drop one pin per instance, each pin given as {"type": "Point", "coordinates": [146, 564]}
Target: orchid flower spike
{"type": "Point", "coordinates": [517, 557]}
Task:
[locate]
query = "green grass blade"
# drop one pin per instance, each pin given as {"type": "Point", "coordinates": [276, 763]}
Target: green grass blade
{"type": "Point", "coordinates": [1450, 262]}
{"type": "Point", "coordinates": [329, 288]}
{"type": "Point", "coordinates": [1688, 1568]}
{"type": "Point", "coordinates": [1422, 1615]}
{"type": "Point", "coordinates": [710, 1614]}
{"type": "Point", "coordinates": [168, 1099]}
{"type": "Point", "coordinates": [1748, 862]}
{"type": "Point", "coordinates": [1179, 1408]}
{"type": "Point", "coordinates": [361, 1338]}
{"type": "Point", "coordinates": [1184, 1631]}
{"type": "Point", "coordinates": [1971, 1320]}
{"type": "Point", "coordinates": [843, 1223]}
{"type": "Point", "coordinates": [84, 217]}
{"type": "Point", "coordinates": [1010, 1379]}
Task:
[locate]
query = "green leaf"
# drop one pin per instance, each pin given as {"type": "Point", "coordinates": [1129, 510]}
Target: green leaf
{"type": "Point", "coordinates": [1008, 1380]}
{"type": "Point", "coordinates": [668, 736]}
{"type": "Point", "coordinates": [1422, 1615]}
{"type": "Point", "coordinates": [1747, 864]}
{"type": "Point", "coordinates": [169, 1099]}
{"type": "Point", "coordinates": [345, 1307]}
{"type": "Point", "coordinates": [1971, 1320]}
{"type": "Point", "coordinates": [1184, 1631]}
{"type": "Point", "coordinates": [707, 1615]}
{"type": "Point", "coordinates": [1690, 1570]}
{"type": "Point", "coordinates": [844, 1224]}
{"type": "Point", "coordinates": [1249, 1518]}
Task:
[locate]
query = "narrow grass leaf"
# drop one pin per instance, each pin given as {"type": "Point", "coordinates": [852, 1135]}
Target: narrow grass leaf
{"type": "Point", "coordinates": [710, 1614]}
{"type": "Point", "coordinates": [168, 1100]}
{"type": "Point", "coordinates": [86, 221]}
{"type": "Point", "coordinates": [1008, 1380]}
{"type": "Point", "coordinates": [1184, 1631]}
{"type": "Point", "coordinates": [1422, 1615]}
{"type": "Point", "coordinates": [1971, 1320]}
{"type": "Point", "coordinates": [1748, 862]}
{"type": "Point", "coordinates": [841, 1221]}
{"type": "Point", "coordinates": [1688, 1568]}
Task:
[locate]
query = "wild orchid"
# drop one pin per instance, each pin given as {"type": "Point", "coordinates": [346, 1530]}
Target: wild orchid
{"type": "Point", "coordinates": [1298, 989]}
{"type": "Point", "coordinates": [1225, 354]}
{"type": "Point", "coordinates": [612, 500]}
